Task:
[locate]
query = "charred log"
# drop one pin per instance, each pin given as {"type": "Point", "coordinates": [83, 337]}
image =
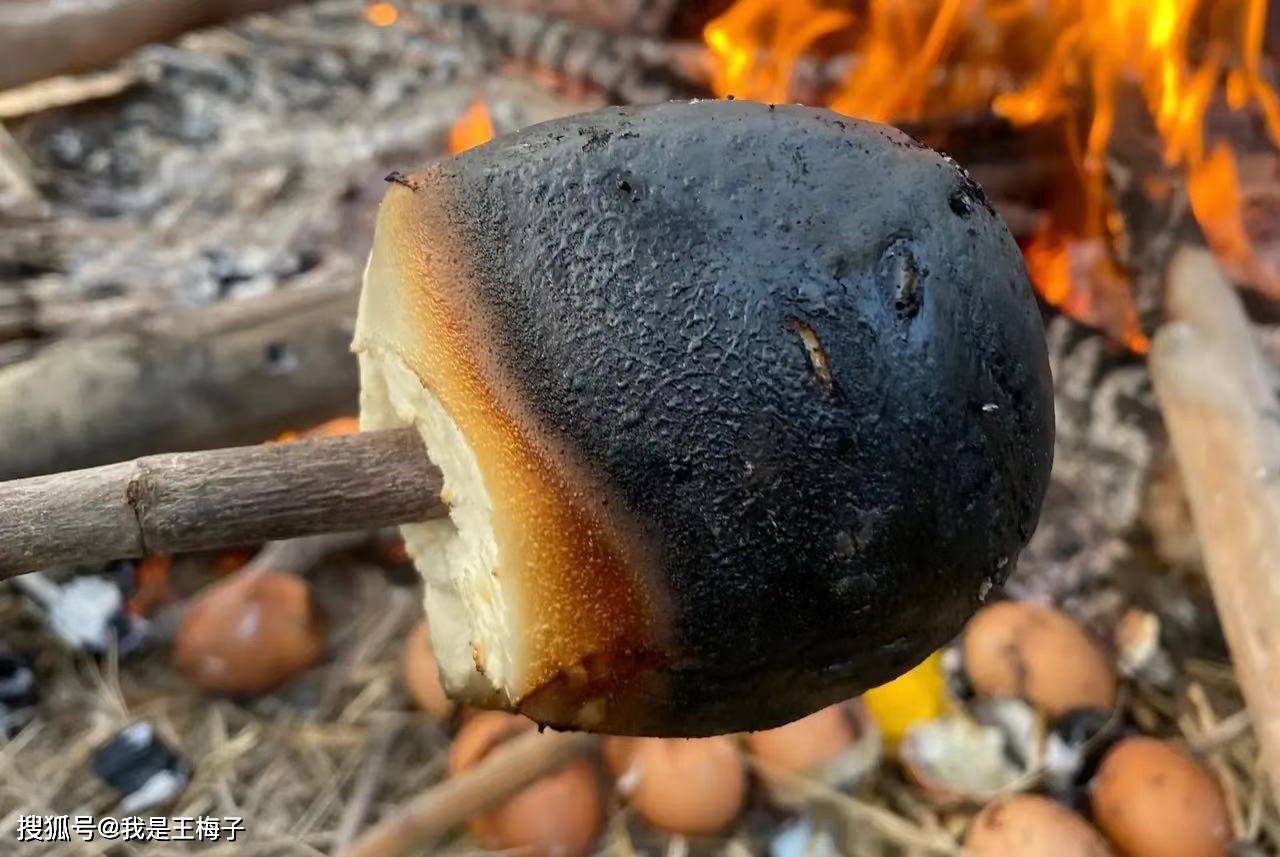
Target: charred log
{"type": "Point", "coordinates": [635, 17]}
{"type": "Point", "coordinates": [235, 372]}
{"type": "Point", "coordinates": [42, 40]}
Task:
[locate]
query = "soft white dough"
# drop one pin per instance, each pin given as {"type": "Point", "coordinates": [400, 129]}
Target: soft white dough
{"type": "Point", "coordinates": [474, 622]}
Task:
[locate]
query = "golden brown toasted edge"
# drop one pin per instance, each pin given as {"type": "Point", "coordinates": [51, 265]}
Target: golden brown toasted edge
{"type": "Point", "coordinates": [539, 592]}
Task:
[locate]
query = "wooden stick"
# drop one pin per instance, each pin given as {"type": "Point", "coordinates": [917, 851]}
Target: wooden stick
{"type": "Point", "coordinates": [1219, 399]}
{"type": "Point", "coordinates": [217, 498]}
{"type": "Point", "coordinates": [501, 773]}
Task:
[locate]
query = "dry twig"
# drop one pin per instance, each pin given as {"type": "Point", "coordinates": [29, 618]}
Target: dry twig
{"type": "Point", "coordinates": [218, 498]}
{"type": "Point", "coordinates": [888, 825]}
{"type": "Point", "coordinates": [366, 786]}
{"type": "Point", "coordinates": [64, 91]}
{"type": "Point", "coordinates": [503, 772]}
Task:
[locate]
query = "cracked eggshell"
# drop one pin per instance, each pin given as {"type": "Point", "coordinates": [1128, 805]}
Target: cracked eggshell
{"type": "Point", "coordinates": [1073, 750]}
{"type": "Point", "coordinates": [956, 760]}
{"type": "Point", "coordinates": [249, 633]}
{"type": "Point", "coordinates": [1038, 654]}
{"type": "Point", "coordinates": [1021, 725]}
{"type": "Point", "coordinates": [701, 377]}
{"type": "Point", "coordinates": [557, 815]}
{"type": "Point", "coordinates": [689, 786]}
{"type": "Point", "coordinates": [1152, 800]}
{"type": "Point", "coordinates": [1032, 826]}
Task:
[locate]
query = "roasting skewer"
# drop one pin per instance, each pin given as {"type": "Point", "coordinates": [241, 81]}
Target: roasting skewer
{"type": "Point", "coordinates": [217, 498]}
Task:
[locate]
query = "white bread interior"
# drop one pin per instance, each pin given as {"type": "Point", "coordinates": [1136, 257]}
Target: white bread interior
{"type": "Point", "coordinates": [539, 590]}
{"type": "Point", "coordinates": [475, 623]}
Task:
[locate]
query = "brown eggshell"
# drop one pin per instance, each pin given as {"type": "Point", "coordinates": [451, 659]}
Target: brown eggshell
{"type": "Point", "coordinates": [1032, 826]}
{"type": "Point", "coordinates": [690, 786]}
{"type": "Point", "coordinates": [1152, 800]}
{"type": "Point", "coordinates": [805, 743]}
{"type": "Point", "coordinates": [1039, 654]}
{"type": "Point", "coordinates": [837, 745]}
{"type": "Point", "coordinates": [558, 815]}
{"type": "Point", "coordinates": [250, 633]}
{"type": "Point", "coordinates": [422, 675]}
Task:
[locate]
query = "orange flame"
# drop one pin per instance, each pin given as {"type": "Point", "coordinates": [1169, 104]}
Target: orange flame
{"type": "Point", "coordinates": [381, 14]}
{"type": "Point", "coordinates": [329, 428]}
{"type": "Point", "coordinates": [1059, 265]}
{"type": "Point", "coordinates": [472, 128]}
{"type": "Point", "coordinates": [1217, 201]}
{"type": "Point", "coordinates": [1035, 61]}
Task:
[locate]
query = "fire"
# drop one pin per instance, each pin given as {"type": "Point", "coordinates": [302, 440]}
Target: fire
{"type": "Point", "coordinates": [1034, 62]}
{"type": "Point", "coordinates": [1058, 265]}
{"type": "Point", "coordinates": [1218, 204]}
{"type": "Point", "coordinates": [329, 428]}
{"type": "Point", "coordinates": [381, 14]}
{"type": "Point", "coordinates": [472, 128]}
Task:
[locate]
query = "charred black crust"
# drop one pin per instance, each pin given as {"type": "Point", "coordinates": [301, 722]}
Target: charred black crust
{"type": "Point", "coordinates": [645, 269]}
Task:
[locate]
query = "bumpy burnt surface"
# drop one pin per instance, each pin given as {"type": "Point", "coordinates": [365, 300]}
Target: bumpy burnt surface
{"type": "Point", "coordinates": [801, 350]}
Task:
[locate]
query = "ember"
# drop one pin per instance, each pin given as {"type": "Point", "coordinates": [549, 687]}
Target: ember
{"type": "Point", "coordinates": [472, 129]}
{"type": "Point", "coordinates": [381, 14]}
{"type": "Point", "coordinates": [1065, 62]}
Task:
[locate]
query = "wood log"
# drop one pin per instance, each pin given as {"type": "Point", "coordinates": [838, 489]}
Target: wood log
{"type": "Point", "coordinates": [231, 373]}
{"type": "Point", "coordinates": [634, 17]}
{"type": "Point", "coordinates": [41, 39]}
{"type": "Point", "coordinates": [634, 69]}
{"type": "Point", "coordinates": [217, 498]}
{"type": "Point", "coordinates": [1219, 399]}
{"type": "Point", "coordinates": [506, 770]}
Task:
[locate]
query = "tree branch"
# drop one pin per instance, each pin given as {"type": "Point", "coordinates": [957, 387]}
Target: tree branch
{"type": "Point", "coordinates": [222, 497]}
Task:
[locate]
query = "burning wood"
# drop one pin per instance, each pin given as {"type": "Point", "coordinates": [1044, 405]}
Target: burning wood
{"type": "Point", "coordinates": [945, 57]}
